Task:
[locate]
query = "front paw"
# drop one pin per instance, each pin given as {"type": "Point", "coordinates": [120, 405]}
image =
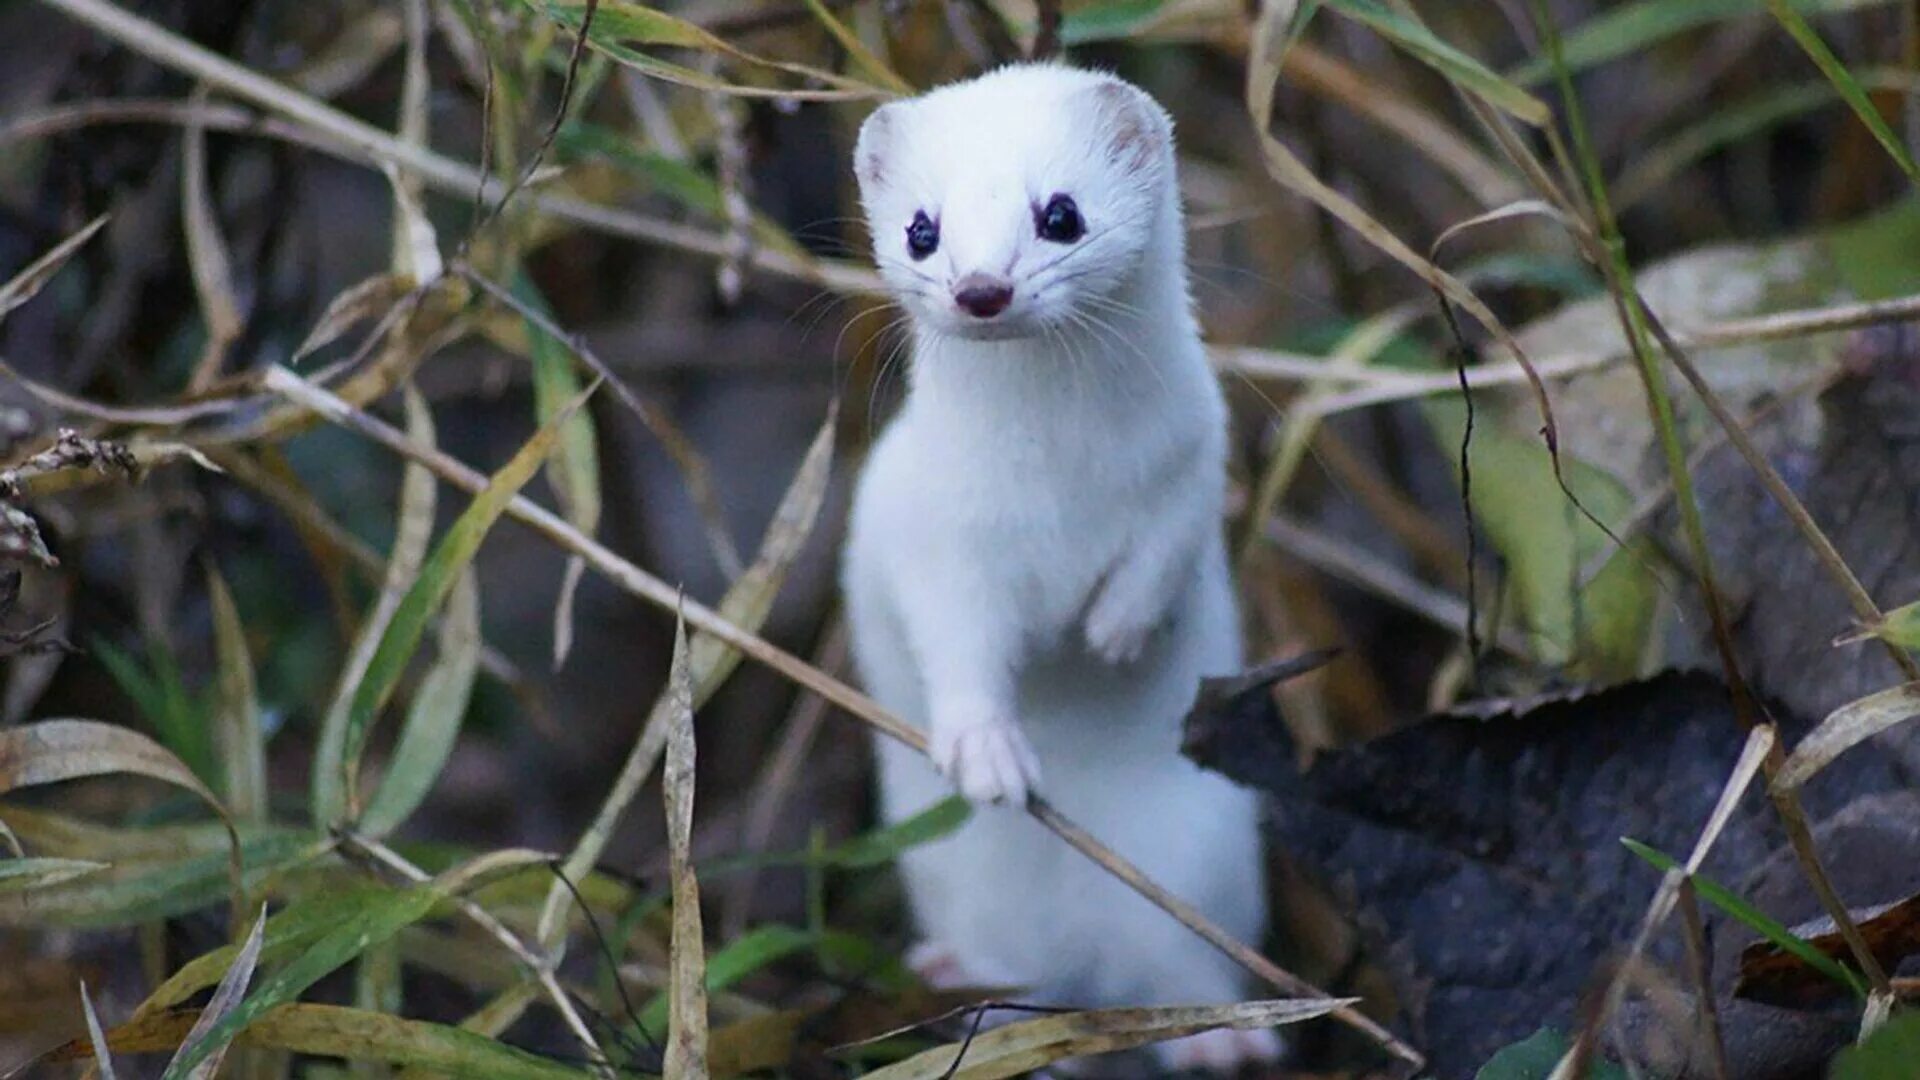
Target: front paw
{"type": "Point", "coordinates": [1222, 1051]}
{"type": "Point", "coordinates": [989, 760]}
{"type": "Point", "coordinates": [1118, 627]}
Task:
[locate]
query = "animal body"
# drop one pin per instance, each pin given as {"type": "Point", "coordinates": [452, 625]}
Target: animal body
{"type": "Point", "coordinates": [1035, 571]}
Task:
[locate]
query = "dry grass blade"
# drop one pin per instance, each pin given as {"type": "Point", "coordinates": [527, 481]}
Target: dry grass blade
{"type": "Point", "coordinates": [355, 304]}
{"type": "Point", "coordinates": [23, 286]}
{"type": "Point", "coordinates": [52, 751]}
{"type": "Point", "coordinates": [226, 997]}
{"type": "Point", "coordinates": [710, 661]}
{"type": "Point", "coordinates": [1845, 728]}
{"type": "Point", "coordinates": [686, 1054]}
{"type": "Point", "coordinates": [631, 578]}
{"type": "Point", "coordinates": [1753, 755]}
{"type": "Point", "coordinates": [413, 531]}
{"type": "Point", "coordinates": [1423, 131]}
{"type": "Point", "coordinates": [236, 718]}
{"type": "Point", "coordinates": [334, 131]}
{"type": "Point", "coordinates": [1270, 37]}
{"type": "Point", "coordinates": [336, 1031]}
{"type": "Point", "coordinates": [1033, 1044]}
{"type": "Point", "coordinates": [687, 458]}
{"type": "Point", "coordinates": [95, 1037]}
{"type": "Point", "coordinates": [206, 254]}
{"type": "Point", "coordinates": [436, 579]}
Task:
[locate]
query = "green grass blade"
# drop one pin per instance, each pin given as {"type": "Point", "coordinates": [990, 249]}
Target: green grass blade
{"type": "Point", "coordinates": [344, 940]}
{"type": "Point", "coordinates": [437, 577]}
{"type": "Point", "coordinates": [1849, 87]}
{"type": "Point", "coordinates": [241, 744]}
{"type": "Point", "coordinates": [433, 716]}
{"type": "Point", "coordinates": [1632, 28]}
{"type": "Point", "coordinates": [1459, 68]}
{"type": "Point", "coordinates": [1723, 898]}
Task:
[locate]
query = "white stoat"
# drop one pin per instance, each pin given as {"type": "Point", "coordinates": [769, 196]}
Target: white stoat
{"type": "Point", "coordinates": [1035, 571]}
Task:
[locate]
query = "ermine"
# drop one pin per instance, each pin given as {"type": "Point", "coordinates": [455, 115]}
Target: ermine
{"type": "Point", "coordinates": [1035, 569]}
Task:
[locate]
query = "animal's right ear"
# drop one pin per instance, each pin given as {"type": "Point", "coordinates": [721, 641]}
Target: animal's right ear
{"type": "Point", "coordinates": [873, 149]}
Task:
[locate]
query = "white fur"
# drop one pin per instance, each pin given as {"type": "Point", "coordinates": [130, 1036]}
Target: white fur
{"type": "Point", "coordinates": [1035, 570]}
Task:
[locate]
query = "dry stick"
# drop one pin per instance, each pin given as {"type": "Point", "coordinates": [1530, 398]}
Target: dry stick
{"type": "Point", "coordinates": [1382, 387]}
{"type": "Point", "coordinates": [1699, 970]}
{"type": "Point", "coordinates": [1823, 550]}
{"type": "Point", "coordinates": [484, 919]}
{"type": "Point", "coordinates": [162, 46]}
{"type": "Point", "coordinates": [631, 578]}
{"type": "Point", "coordinates": [1344, 560]}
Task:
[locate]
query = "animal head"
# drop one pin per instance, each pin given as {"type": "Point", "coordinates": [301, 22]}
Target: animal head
{"type": "Point", "coordinates": [1018, 202]}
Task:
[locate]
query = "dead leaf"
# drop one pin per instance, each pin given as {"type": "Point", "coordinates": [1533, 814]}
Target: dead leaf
{"type": "Point", "coordinates": [686, 1057]}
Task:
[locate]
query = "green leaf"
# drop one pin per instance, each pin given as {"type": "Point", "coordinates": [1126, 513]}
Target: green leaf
{"type": "Point", "coordinates": [1901, 626]}
{"type": "Point", "coordinates": [1632, 28]}
{"type": "Point", "coordinates": [413, 531]}
{"type": "Point", "coordinates": [161, 885]}
{"type": "Point", "coordinates": [574, 469]}
{"type": "Point", "coordinates": [884, 845]}
{"type": "Point", "coordinates": [683, 183]}
{"type": "Point", "coordinates": [179, 721]}
{"type": "Point", "coordinates": [19, 875]}
{"type": "Point", "coordinates": [1599, 631]}
{"type": "Point", "coordinates": [1459, 68]}
{"type": "Point", "coordinates": [437, 577]}
{"type": "Point", "coordinates": [433, 716]}
{"type": "Point", "coordinates": [340, 943]}
{"type": "Point", "coordinates": [1723, 898]}
{"type": "Point", "coordinates": [290, 931]}
{"type": "Point", "coordinates": [741, 957]}
{"type": "Point", "coordinates": [1534, 1058]}
{"type": "Point", "coordinates": [1887, 1054]}
{"type": "Point", "coordinates": [620, 27]}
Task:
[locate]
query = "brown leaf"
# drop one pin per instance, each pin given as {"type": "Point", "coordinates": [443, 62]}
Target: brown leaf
{"type": "Point", "coordinates": [1770, 974]}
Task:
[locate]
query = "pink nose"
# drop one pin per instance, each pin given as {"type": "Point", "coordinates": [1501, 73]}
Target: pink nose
{"type": "Point", "coordinates": [983, 296]}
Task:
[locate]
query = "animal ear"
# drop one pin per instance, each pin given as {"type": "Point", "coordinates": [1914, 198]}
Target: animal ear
{"type": "Point", "coordinates": [1139, 132]}
{"type": "Point", "coordinates": [873, 149]}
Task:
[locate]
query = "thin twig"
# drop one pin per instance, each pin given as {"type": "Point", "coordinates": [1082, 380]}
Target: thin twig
{"type": "Point", "coordinates": [1699, 968]}
{"type": "Point", "coordinates": [493, 927]}
{"type": "Point", "coordinates": [365, 142]}
{"type": "Point", "coordinates": [638, 582]}
{"type": "Point", "coordinates": [1344, 560]}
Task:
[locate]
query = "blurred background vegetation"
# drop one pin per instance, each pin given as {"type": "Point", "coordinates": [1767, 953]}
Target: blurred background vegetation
{"type": "Point", "coordinates": [218, 191]}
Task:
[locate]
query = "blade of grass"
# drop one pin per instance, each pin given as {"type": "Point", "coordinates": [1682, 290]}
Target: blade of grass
{"type": "Point", "coordinates": [236, 708]}
{"type": "Point", "coordinates": [1849, 87]}
{"type": "Point", "coordinates": [95, 1039]}
{"type": "Point", "coordinates": [332, 131]}
{"type": "Point", "coordinates": [1463, 71]}
{"type": "Point", "coordinates": [1758, 921]}
{"type": "Point", "coordinates": [226, 997]}
{"type": "Point", "coordinates": [412, 532]}
{"type": "Point", "coordinates": [52, 751]}
{"type": "Point", "coordinates": [1032, 1044]}
{"type": "Point", "coordinates": [24, 285]}
{"type": "Point", "coordinates": [747, 603]}
{"type": "Point", "coordinates": [433, 717]}
{"type": "Point", "coordinates": [436, 579]}
{"type": "Point", "coordinates": [206, 253]}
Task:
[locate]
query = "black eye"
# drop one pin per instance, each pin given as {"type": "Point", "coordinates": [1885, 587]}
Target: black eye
{"type": "Point", "coordinates": [922, 236]}
{"type": "Point", "coordinates": [1059, 221]}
